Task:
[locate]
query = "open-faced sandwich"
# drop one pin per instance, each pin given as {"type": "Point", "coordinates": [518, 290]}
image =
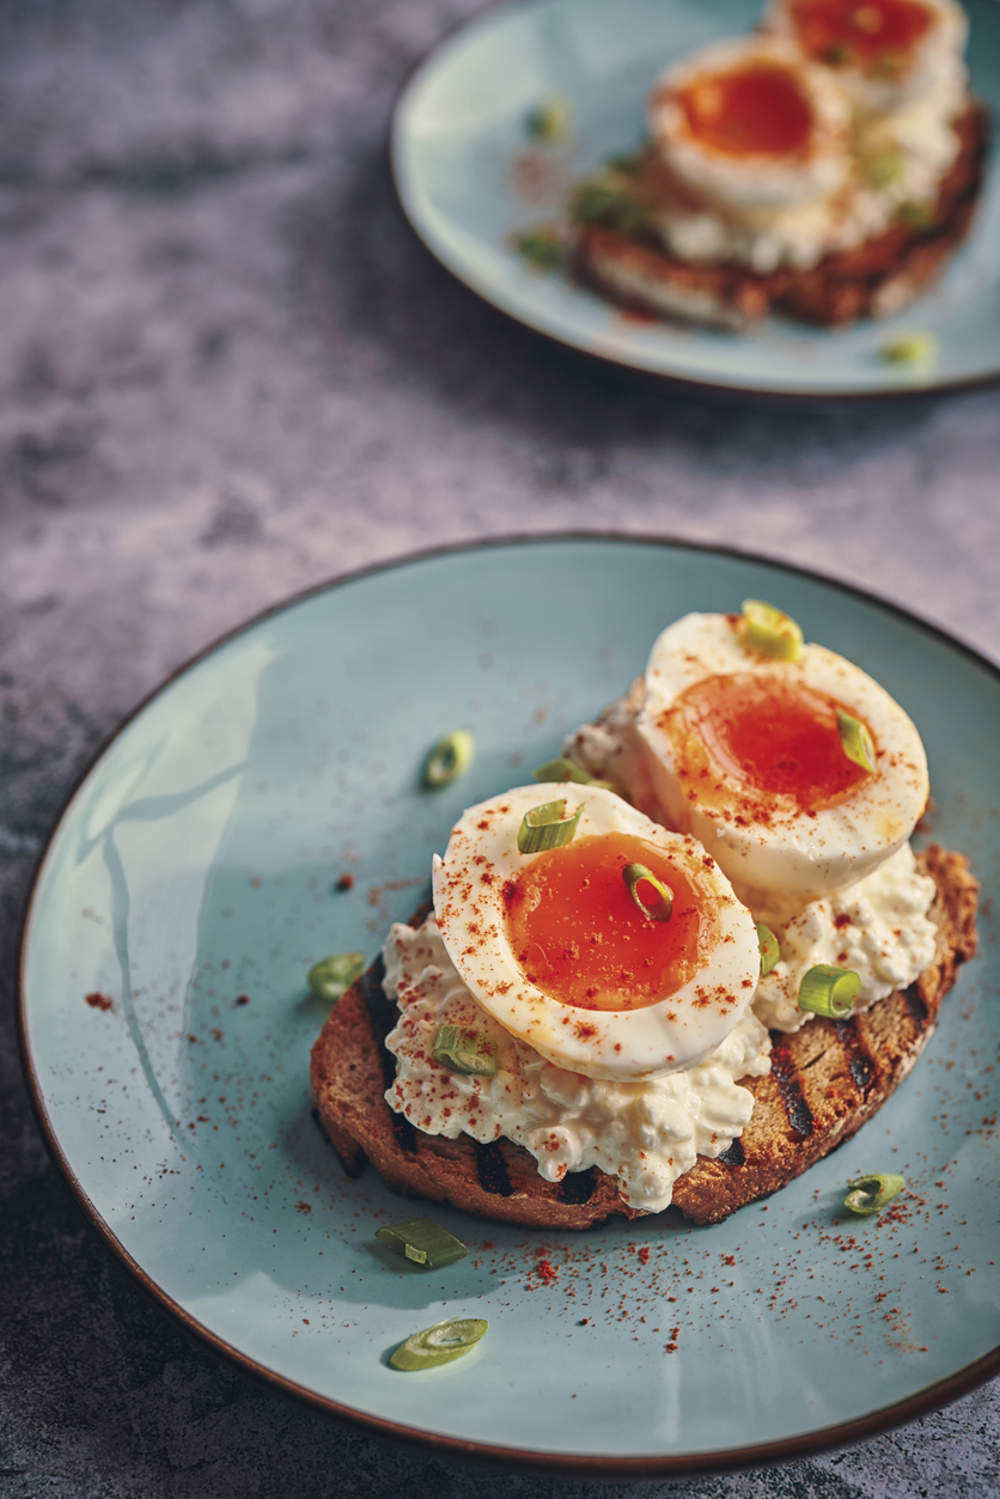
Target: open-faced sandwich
{"type": "Point", "coordinates": [683, 968]}
{"type": "Point", "coordinates": [825, 167]}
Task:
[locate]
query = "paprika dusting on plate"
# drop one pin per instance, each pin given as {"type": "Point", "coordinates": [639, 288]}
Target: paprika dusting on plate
{"type": "Point", "coordinates": [582, 939]}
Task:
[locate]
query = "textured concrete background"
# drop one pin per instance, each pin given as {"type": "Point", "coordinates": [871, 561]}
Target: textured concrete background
{"type": "Point", "coordinates": [228, 371]}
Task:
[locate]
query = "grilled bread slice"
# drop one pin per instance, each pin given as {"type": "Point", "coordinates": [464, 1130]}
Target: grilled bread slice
{"type": "Point", "coordinates": [875, 279]}
{"type": "Point", "coordinates": [826, 1080]}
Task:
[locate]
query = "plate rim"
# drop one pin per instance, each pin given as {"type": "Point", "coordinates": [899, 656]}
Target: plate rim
{"type": "Point", "coordinates": [778, 395]}
{"type": "Point", "coordinates": [931, 1397]}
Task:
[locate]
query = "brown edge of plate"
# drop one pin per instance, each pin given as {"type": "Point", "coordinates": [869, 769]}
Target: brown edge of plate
{"type": "Point", "coordinates": [904, 391]}
{"type": "Point", "coordinates": [940, 1393]}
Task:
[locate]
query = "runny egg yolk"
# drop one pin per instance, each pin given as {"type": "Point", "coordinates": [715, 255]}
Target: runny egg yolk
{"type": "Point", "coordinates": [757, 110]}
{"type": "Point", "coordinates": [859, 31]}
{"type": "Point", "coordinates": [771, 735]}
{"type": "Point", "coordinates": [580, 937]}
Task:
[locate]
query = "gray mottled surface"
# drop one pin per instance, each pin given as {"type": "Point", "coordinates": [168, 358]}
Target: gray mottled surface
{"type": "Point", "coordinates": [228, 371]}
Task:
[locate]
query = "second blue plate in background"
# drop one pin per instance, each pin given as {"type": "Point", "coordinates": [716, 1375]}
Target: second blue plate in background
{"type": "Point", "coordinates": [468, 178]}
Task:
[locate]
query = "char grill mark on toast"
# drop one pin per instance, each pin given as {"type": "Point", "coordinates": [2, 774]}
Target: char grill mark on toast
{"type": "Point", "coordinates": [491, 1169]}
{"type": "Point", "coordinates": [734, 1154]}
{"type": "Point", "coordinates": [578, 1186]}
{"type": "Point", "coordinates": [860, 1062]}
{"type": "Point", "coordinates": [789, 1087]}
{"type": "Point", "coordinates": [915, 1004]}
{"type": "Point", "coordinates": [383, 1014]}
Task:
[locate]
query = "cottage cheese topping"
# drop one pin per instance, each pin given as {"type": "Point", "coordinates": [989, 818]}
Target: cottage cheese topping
{"type": "Point", "coordinates": [647, 1134]}
{"type": "Point", "coordinates": [879, 927]}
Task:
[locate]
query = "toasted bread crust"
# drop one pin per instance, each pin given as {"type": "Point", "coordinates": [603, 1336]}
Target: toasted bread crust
{"type": "Point", "coordinates": [827, 1079]}
{"type": "Point", "coordinates": [874, 279]}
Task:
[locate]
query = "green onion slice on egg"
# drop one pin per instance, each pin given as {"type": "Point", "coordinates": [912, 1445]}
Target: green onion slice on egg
{"type": "Point", "coordinates": [547, 826]}
{"type": "Point", "coordinates": [856, 741]}
{"type": "Point", "coordinates": [661, 907]}
{"type": "Point", "coordinates": [770, 631]}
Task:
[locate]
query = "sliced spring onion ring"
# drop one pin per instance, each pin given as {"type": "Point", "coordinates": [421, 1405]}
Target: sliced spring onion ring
{"type": "Point", "coordinates": [448, 759]}
{"type": "Point", "coordinates": [825, 990]}
{"type": "Point", "coordinates": [661, 908]}
{"type": "Point", "coordinates": [568, 770]}
{"type": "Point", "coordinates": [547, 826]}
{"type": "Point", "coordinates": [551, 120]}
{"type": "Point", "coordinates": [770, 631]}
{"type": "Point", "coordinates": [438, 1344]}
{"type": "Point", "coordinates": [916, 349]}
{"type": "Point", "coordinates": [605, 199]}
{"type": "Point", "coordinates": [464, 1051]}
{"type": "Point", "coordinates": [856, 741]}
{"type": "Point", "coordinates": [543, 248]}
{"type": "Point", "coordinates": [770, 952]}
{"type": "Point", "coordinates": [870, 1194]}
{"type": "Point", "coordinates": [333, 976]}
{"type": "Point", "coordinates": [422, 1241]}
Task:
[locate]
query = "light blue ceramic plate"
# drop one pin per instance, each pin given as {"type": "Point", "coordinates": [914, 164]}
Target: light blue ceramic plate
{"type": "Point", "coordinates": [196, 864]}
{"type": "Point", "coordinates": [468, 177]}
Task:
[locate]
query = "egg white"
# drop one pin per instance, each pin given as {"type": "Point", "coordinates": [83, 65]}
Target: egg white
{"type": "Point", "coordinates": [660, 1038]}
{"type": "Point", "coordinates": [762, 180]}
{"type": "Point", "coordinates": [928, 63]}
{"type": "Point", "coordinates": [795, 854]}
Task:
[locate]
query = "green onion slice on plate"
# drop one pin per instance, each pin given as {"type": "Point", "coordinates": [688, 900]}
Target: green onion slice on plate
{"type": "Point", "coordinates": [551, 120]}
{"type": "Point", "coordinates": [661, 906]}
{"type": "Point", "coordinates": [547, 826]}
{"type": "Point", "coordinates": [870, 1194]}
{"type": "Point", "coordinates": [333, 976]}
{"type": "Point", "coordinates": [439, 1344]}
{"type": "Point", "coordinates": [856, 741]}
{"type": "Point", "coordinates": [543, 248]}
{"type": "Point", "coordinates": [916, 349]}
{"type": "Point", "coordinates": [464, 1051]}
{"type": "Point", "coordinates": [770, 631]}
{"type": "Point", "coordinates": [448, 759]}
{"type": "Point", "coordinates": [770, 952]}
{"type": "Point", "coordinates": [829, 991]}
{"type": "Point", "coordinates": [423, 1242]}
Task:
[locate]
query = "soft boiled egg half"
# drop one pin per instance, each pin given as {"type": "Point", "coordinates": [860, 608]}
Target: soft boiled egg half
{"type": "Point", "coordinates": [751, 124]}
{"type": "Point", "coordinates": [621, 953]}
{"type": "Point", "coordinates": [883, 52]}
{"type": "Point", "coordinates": [753, 754]}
